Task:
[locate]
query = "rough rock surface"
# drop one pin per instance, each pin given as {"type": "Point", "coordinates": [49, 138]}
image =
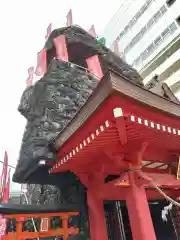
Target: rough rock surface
{"type": "Point", "coordinates": [48, 106]}
{"type": "Point", "coordinates": [54, 100]}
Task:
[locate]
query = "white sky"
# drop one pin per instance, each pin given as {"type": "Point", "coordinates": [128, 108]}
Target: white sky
{"type": "Point", "coordinates": [23, 26]}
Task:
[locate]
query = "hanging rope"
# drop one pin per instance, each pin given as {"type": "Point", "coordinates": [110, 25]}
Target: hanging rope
{"type": "Point", "coordinates": [165, 195]}
{"type": "Point", "coordinates": [153, 183]}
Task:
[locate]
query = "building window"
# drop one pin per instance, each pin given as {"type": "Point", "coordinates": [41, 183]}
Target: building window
{"type": "Point", "coordinates": [163, 9]}
{"type": "Point", "coordinates": [165, 32]}
{"type": "Point", "coordinates": [150, 23]}
{"type": "Point", "coordinates": [150, 48]}
{"type": "Point", "coordinates": [157, 42]}
{"type": "Point", "coordinates": [146, 28]}
{"type": "Point", "coordinates": [170, 2]}
{"type": "Point", "coordinates": [173, 27]}
{"type": "Point", "coordinates": [135, 18]}
{"type": "Point", "coordinates": [178, 20]}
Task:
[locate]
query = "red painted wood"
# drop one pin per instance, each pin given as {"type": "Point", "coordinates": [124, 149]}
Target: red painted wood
{"type": "Point", "coordinates": [44, 60]}
{"type": "Point", "coordinates": [129, 107]}
{"type": "Point", "coordinates": [94, 66]}
{"type": "Point", "coordinates": [41, 67]}
{"type": "Point", "coordinates": [153, 194]}
{"type": "Point", "coordinates": [98, 227]}
{"type": "Point", "coordinates": [120, 124]}
{"type": "Point", "coordinates": [161, 144]}
{"type": "Point", "coordinates": [64, 231]}
{"type": "Point", "coordinates": [165, 180]}
{"type": "Point", "coordinates": [139, 214]}
{"type": "Point", "coordinates": [61, 48]}
{"type": "Point", "coordinates": [103, 154]}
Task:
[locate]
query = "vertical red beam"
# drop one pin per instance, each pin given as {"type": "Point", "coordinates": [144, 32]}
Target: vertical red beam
{"type": "Point", "coordinates": [61, 48]}
{"type": "Point", "coordinates": [94, 66]}
{"type": "Point", "coordinates": [121, 126]}
{"type": "Point", "coordinates": [97, 220]}
{"type": "Point", "coordinates": [139, 214]}
{"type": "Point", "coordinates": [18, 229]}
{"type": "Point", "coordinates": [65, 227]}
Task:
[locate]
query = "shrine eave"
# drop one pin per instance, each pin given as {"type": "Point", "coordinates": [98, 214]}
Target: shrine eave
{"type": "Point", "coordinates": [114, 84]}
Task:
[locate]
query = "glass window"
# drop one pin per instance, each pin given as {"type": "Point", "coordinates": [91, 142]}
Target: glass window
{"type": "Point", "coordinates": [158, 40]}
{"type": "Point", "coordinates": [169, 30]}
{"type": "Point", "coordinates": [150, 23]}
{"type": "Point", "coordinates": [126, 28]}
{"type": "Point", "coordinates": [137, 62]}
{"type": "Point", "coordinates": [165, 33]}
{"type": "Point", "coordinates": [151, 48]}
{"type": "Point", "coordinates": [143, 30]}
{"type": "Point", "coordinates": [121, 34]}
{"type": "Point", "coordinates": [145, 54]}
{"type": "Point", "coordinates": [135, 18]}
{"type": "Point", "coordinates": [157, 16]}
{"type": "Point", "coordinates": [143, 9]}
{"type": "Point", "coordinates": [163, 9]}
{"type": "Point", "coordinates": [138, 14]}
{"type": "Point", "coordinates": [139, 35]}
{"type": "Point", "coordinates": [172, 27]}
{"type": "Point", "coordinates": [149, 2]}
{"type": "Point", "coordinates": [133, 21]}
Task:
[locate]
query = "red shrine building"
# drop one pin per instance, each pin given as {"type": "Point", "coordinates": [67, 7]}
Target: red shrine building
{"type": "Point", "coordinates": [132, 135]}
{"type": "Point", "coordinates": [124, 131]}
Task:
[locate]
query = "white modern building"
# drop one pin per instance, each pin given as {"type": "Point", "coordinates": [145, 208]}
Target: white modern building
{"type": "Point", "coordinates": [148, 35]}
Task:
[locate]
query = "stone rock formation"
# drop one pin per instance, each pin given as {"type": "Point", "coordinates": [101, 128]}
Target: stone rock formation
{"type": "Point", "coordinates": [49, 105]}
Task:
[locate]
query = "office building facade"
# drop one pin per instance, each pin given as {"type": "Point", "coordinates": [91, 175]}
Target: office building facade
{"type": "Point", "coordinates": [148, 36]}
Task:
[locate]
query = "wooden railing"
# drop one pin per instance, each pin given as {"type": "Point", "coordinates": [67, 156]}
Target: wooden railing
{"type": "Point", "coordinates": [64, 231]}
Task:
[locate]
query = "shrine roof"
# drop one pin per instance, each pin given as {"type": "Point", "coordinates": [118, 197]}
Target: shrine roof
{"type": "Point", "coordinates": [114, 84]}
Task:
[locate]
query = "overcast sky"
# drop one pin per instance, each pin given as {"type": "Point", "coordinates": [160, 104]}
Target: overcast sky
{"type": "Point", "coordinates": [23, 26]}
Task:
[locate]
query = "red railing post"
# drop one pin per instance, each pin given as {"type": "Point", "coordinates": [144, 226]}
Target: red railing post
{"type": "Point", "coordinates": [63, 231]}
{"type": "Point", "coordinates": [65, 227]}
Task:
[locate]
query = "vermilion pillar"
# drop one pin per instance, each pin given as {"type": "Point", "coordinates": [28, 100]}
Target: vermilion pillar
{"type": "Point", "coordinates": [98, 229]}
{"type": "Point", "coordinates": [139, 213]}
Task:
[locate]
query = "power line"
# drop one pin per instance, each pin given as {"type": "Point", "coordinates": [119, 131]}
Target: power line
{"type": "Point", "coordinates": [8, 165]}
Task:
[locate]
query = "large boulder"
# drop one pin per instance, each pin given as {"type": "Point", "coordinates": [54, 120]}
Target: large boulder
{"type": "Point", "coordinates": [52, 102]}
{"type": "Point", "coordinates": [48, 106]}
